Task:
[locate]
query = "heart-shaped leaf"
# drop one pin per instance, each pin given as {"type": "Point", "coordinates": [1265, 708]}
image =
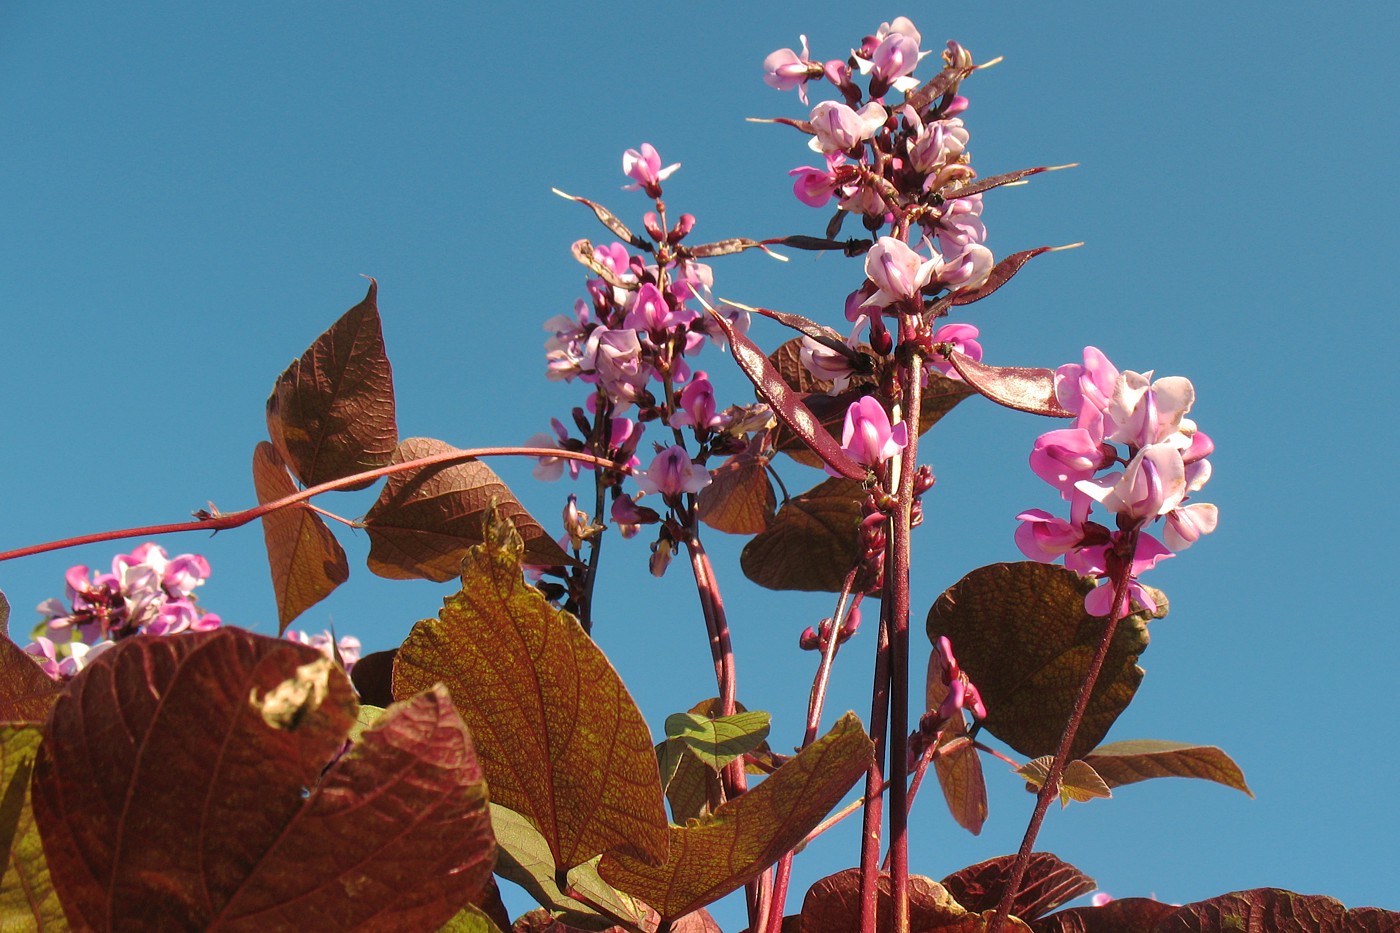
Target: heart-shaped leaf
{"type": "Point", "coordinates": [739, 499]}
{"type": "Point", "coordinates": [1121, 915]}
{"type": "Point", "coordinates": [560, 738]}
{"type": "Point", "coordinates": [958, 766]}
{"type": "Point", "coordinates": [171, 792]}
{"type": "Point", "coordinates": [712, 856]}
{"type": "Point", "coordinates": [306, 560]}
{"type": "Point", "coordinates": [425, 519]}
{"type": "Point", "coordinates": [832, 905]}
{"type": "Point", "coordinates": [27, 896]}
{"type": "Point", "coordinates": [718, 741]}
{"type": "Point", "coordinates": [1136, 760]}
{"type": "Point", "coordinates": [1025, 639]}
{"type": "Point", "coordinates": [331, 413]}
{"type": "Point", "coordinates": [1079, 782]}
{"type": "Point", "coordinates": [813, 541]}
{"type": "Point", "coordinates": [1047, 883]}
{"type": "Point", "coordinates": [1277, 911]}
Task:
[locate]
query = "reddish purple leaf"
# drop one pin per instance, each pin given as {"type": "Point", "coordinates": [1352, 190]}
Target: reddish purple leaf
{"type": "Point", "coordinates": [812, 543]}
{"type": "Point", "coordinates": [1047, 883]}
{"type": "Point", "coordinates": [373, 677]}
{"type": "Point", "coordinates": [1277, 911]}
{"type": "Point", "coordinates": [26, 692]}
{"type": "Point", "coordinates": [425, 519]}
{"type": "Point", "coordinates": [740, 499]}
{"type": "Point", "coordinates": [832, 905]}
{"type": "Point", "coordinates": [331, 413]}
{"type": "Point", "coordinates": [1023, 388]}
{"type": "Point", "coordinates": [306, 560]}
{"type": "Point", "coordinates": [1124, 915]}
{"type": "Point", "coordinates": [958, 765]}
{"type": "Point", "coordinates": [1136, 760]}
{"type": "Point", "coordinates": [786, 404]}
{"type": "Point", "coordinates": [171, 791]}
{"type": "Point", "coordinates": [1022, 634]}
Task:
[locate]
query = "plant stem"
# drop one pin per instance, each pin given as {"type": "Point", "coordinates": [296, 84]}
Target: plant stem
{"type": "Point", "coordinates": [875, 778]}
{"type": "Point", "coordinates": [1122, 575]}
{"type": "Point", "coordinates": [225, 520]}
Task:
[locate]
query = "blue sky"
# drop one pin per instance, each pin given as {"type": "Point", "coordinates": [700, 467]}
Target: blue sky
{"type": "Point", "coordinates": [192, 191]}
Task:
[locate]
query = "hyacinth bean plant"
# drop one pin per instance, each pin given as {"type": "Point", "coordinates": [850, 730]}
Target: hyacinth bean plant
{"type": "Point", "coordinates": [166, 770]}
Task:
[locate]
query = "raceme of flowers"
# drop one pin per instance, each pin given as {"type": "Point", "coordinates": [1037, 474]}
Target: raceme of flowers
{"type": "Point", "coordinates": [1161, 464]}
{"type": "Point", "coordinates": [147, 593]}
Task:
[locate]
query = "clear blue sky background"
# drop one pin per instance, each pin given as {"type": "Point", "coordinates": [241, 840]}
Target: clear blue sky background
{"type": "Point", "coordinates": [190, 192]}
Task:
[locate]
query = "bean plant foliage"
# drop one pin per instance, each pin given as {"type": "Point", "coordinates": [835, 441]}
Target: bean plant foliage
{"type": "Point", "coordinates": [164, 769]}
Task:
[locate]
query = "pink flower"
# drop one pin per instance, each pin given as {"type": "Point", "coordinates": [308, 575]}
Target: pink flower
{"type": "Point", "coordinates": [898, 272]}
{"type": "Point", "coordinates": [1186, 525]}
{"type": "Point", "coordinates": [651, 312]}
{"type": "Point", "coordinates": [349, 646]}
{"type": "Point", "coordinates": [1064, 457]}
{"type": "Point", "coordinates": [615, 358]}
{"type": "Point", "coordinates": [696, 406]}
{"type": "Point", "coordinates": [814, 187]}
{"type": "Point", "coordinates": [867, 436]}
{"type": "Point", "coordinates": [550, 469]}
{"type": "Point", "coordinates": [839, 128]}
{"type": "Point", "coordinates": [786, 69]}
{"type": "Point", "coordinates": [962, 338]}
{"type": "Point", "coordinates": [672, 472]}
{"type": "Point", "coordinates": [936, 144]}
{"type": "Point", "coordinates": [644, 168]}
{"type": "Point", "coordinates": [1153, 483]}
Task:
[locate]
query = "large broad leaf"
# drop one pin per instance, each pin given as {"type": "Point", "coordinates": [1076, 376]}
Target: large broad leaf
{"type": "Point", "coordinates": [1122, 915]}
{"type": "Point", "coordinates": [306, 560]}
{"type": "Point", "coordinates": [813, 541]}
{"type": "Point", "coordinates": [740, 499]}
{"type": "Point", "coordinates": [172, 793]}
{"type": "Point", "coordinates": [1047, 883]}
{"type": "Point", "coordinates": [558, 734]}
{"type": "Point", "coordinates": [712, 856]}
{"type": "Point", "coordinates": [832, 905]}
{"type": "Point", "coordinates": [1128, 762]}
{"type": "Point", "coordinates": [1024, 638]}
{"type": "Point", "coordinates": [331, 413]}
{"type": "Point", "coordinates": [958, 765]}
{"type": "Point", "coordinates": [525, 859]}
{"type": "Point", "coordinates": [1277, 911]}
{"type": "Point", "coordinates": [26, 692]}
{"type": "Point", "coordinates": [27, 896]}
{"type": "Point", "coordinates": [425, 520]}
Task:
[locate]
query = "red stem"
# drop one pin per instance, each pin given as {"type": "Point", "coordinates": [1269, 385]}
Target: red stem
{"type": "Point", "coordinates": [875, 779]}
{"type": "Point", "coordinates": [1050, 789]}
{"type": "Point", "coordinates": [227, 520]}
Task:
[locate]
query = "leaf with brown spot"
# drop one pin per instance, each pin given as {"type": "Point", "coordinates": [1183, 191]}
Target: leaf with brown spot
{"type": "Point", "coordinates": [426, 519]}
{"type": "Point", "coordinates": [166, 801]}
{"type": "Point", "coordinates": [306, 560]}
{"type": "Point", "coordinates": [813, 541]}
{"type": "Point", "coordinates": [1136, 760]}
{"type": "Point", "coordinates": [740, 498]}
{"type": "Point", "coordinates": [1079, 782]}
{"type": "Point", "coordinates": [1023, 388]}
{"type": "Point", "coordinates": [331, 413]}
{"type": "Point", "coordinates": [712, 856]}
{"type": "Point", "coordinates": [1025, 639]}
{"type": "Point", "coordinates": [1277, 911]}
{"type": "Point", "coordinates": [560, 738]}
{"type": "Point", "coordinates": [1047, 883]}
{"type": "Point", "coordinates": [27, 896]}
{"type": "Point", "coordinates": [26, 692]}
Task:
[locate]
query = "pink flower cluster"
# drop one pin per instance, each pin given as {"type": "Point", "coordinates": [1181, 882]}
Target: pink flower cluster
{"type": "Point", "coordinates": [146, 592]}
{"type": "Point", "coordinates": [325, 642]}
{"type": "Point", "coordinates": [1162, 463]}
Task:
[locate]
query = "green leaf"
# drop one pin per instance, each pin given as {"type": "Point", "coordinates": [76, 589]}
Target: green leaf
{"type": "Point", "coordinates": [1079, 782]}
{"type": "Point", "coordinates": [365, 719]}
{"type": "Point", "coordinates": [1021, 633]}
{"type": "Point", "coordinates": [470, 919]}
{"type": "Point", "coordinates": [523, 857]}
{"type": "Point", "coordinates": [813, 541]}
{"type": "Point", "coordinates": [425, 520]}
{"type": "Point", "coordinates": [1142, 759]}
{"type": "Point", "coordinates": [331, 413]}
{"type": "Point", "coordinates": [560, 738]}
{"type": "Point", "coordinates": [306, 560]}
{"type": "Point", "coordinates": [717, 742]}
{"type": "Point", "coordinates": [712, 856]}
{"type": "Point", "coordinates": [27, 896]}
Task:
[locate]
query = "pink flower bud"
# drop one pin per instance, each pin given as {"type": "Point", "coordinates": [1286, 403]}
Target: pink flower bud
{"type": "Point", "coordinates": [645, 169]}
{"type": "Point", "coordinates": [867, 436]}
